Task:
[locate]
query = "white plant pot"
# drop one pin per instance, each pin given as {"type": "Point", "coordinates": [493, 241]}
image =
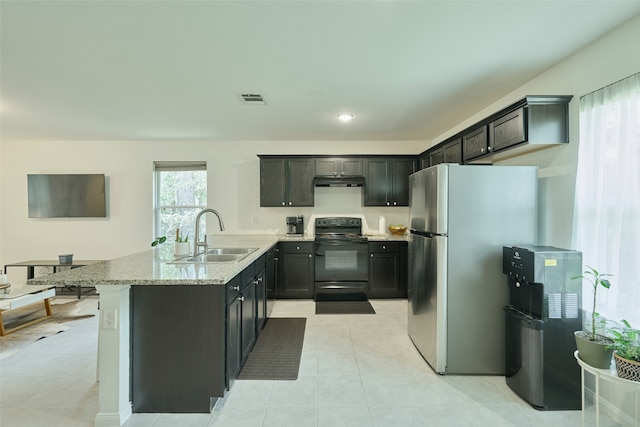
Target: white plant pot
{"type": "Point", "coordinates": [181, 248]}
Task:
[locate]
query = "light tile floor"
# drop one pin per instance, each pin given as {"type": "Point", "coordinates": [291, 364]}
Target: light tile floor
{"type": "Point", "coordinates": [356, 370]}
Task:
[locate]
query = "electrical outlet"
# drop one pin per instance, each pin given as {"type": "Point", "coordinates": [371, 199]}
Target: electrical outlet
{"type": "Point", "coordinates": [110, 318]}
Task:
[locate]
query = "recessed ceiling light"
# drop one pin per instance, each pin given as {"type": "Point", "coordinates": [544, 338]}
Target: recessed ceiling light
{"type": "Point", "coordinates": [345, 117]}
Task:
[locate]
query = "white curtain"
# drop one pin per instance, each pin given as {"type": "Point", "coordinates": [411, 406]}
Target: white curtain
{"type": "Point", "coordinates": [607, 213]}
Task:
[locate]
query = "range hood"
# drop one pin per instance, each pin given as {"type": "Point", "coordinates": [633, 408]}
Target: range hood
{"type": "Point", "coordinates": [339, 181]}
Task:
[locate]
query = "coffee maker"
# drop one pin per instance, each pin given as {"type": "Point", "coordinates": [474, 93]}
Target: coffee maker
{"type": "Point", "coordinates": [295, 225]}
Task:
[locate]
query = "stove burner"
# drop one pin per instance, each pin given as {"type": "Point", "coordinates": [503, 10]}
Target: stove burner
{"type": "Point", "coordinates": [339, 228]}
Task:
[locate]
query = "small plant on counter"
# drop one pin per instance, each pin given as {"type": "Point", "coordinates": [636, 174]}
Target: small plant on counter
{"type": "Point", "coordinates": [179, 238]}
{"type": "Point", "coordinates": [158, 241]}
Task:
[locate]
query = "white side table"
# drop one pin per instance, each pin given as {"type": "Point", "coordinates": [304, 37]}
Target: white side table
{"type": "Point", "coordinates": [609, 375]}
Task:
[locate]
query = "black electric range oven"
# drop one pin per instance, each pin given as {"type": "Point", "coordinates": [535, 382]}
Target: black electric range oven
{"type": "Point", "coordinates": [341, 259]}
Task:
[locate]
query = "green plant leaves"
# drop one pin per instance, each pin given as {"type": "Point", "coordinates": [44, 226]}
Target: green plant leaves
{"type": "Point", "coordinates": [158, 241]}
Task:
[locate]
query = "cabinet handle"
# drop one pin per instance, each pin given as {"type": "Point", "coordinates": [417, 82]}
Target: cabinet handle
{"type": "Point", "coordinates": [282, 203]}
{"type": "Point", "coordinates": [384, 248]}
{"type": "Point", "coordinates": [297, 248]}
{"type": "Point", "coordinates": [236, 288]}
{"type": "Point", "coordinates": [387, 203]}
{"type": "Point", "coordinates": [490, 148]}
{"type": "Point", "coordinates": [289, 203]}
{"type": "Point", "coordinates": [371, 255]}
{"type": "Point", "coordinates": [335, 174]}
{"type": "Point", "coordinates": [241, 299]}
{"type": "Point", "coordinates": [341, 173]}
{"type": "Point", "coordinates": [482, 150]}
{"type": "Point", "coordinates": [309, 255]}
{"type": "Point", "coordinates": [395, 203]}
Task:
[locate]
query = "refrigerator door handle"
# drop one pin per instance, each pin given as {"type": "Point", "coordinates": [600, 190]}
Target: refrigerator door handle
{"type": "Point", "coordinates": [426, 233]}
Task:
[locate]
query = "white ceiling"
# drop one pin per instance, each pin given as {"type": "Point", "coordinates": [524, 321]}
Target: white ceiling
{"type": "Point", "coordinates": [174, 70]}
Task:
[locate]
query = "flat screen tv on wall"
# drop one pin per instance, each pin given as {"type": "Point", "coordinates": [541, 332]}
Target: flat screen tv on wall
{"type": "Point", "coordinates": [67, 196]}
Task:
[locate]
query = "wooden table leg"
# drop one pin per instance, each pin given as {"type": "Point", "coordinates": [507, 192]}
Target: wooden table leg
{"type": "Point", "coordinates": [47, 307]}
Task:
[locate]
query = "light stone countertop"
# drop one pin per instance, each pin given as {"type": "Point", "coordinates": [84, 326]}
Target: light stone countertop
{"type": "Point", "coordinates": [152, 267]}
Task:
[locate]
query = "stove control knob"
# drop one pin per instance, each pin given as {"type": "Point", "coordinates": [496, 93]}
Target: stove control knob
{"type": "Point", "coordinates": [518, 284]}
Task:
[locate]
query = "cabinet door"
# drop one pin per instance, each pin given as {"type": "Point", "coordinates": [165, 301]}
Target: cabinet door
{"type": "Point", "coordinates": [423, 161]}
{"type": "Point", "coordinates": [234, 342]}
{"type": "Point", "coordinates": [387, 270]}
{"type": "Point", "coordinates": [452, 152]}
{"type": "Point", "coordinates": [272, 182]}
{"type": "Point", "coordinates": [295, 278]}
{"type": "Point", "coordinates": [300, 182]}
{"type": "Point", "coordinates": [474, 143]}
{"type": "Point", "coordinates": [436, 157]}
{"type": "Point", "coordinates": [507, 131]}
{"type": "Point", "coordinates": [327, 167]}
{"type": "Point", "coordinates": [261, 300]}
{"type": "Point", "coordinates": [378, 182]}
{"type": "Point", "coordinates": [401, 168]}
{"type": "Point", "coordinates": [248, 334]}
{"type": "Point", "coordinates": [271, 279]}
{"type": "Point", "coordinates": [351, 166]}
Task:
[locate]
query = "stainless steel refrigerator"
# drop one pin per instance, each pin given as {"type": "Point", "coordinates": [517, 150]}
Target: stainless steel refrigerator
{"type": "Point", "coordinates": [460, 218]}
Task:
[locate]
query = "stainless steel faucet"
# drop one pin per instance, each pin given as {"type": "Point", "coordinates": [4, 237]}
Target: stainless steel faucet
{"type": "Point", "coordinates": [198, 243]}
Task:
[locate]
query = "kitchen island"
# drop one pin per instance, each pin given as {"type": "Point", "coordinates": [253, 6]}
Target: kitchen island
{"type": "Point", "coordinates": [154, 314]}
{"type": "Point", "coordinates": [173, 336]}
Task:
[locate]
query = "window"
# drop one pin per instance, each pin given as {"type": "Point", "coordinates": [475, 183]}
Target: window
{"type": "Point", "coordinates": [607, 204]}
{"type": "Point", "coordinates": [180, 193]}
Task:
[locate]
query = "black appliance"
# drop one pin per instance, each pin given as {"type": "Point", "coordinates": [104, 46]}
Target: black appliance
{"type": "Point", "coordinates": [295, 225]}
{"type": "Point", "coordinates": [341, 259]}
{"type": "Point", "coordinates": [544, 311]}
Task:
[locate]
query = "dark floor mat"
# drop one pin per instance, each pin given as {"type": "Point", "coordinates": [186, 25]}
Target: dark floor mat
{"type": "Point", "coordinates": [276, 355]}
{"type": "Point", "coordinates": [344, 307]}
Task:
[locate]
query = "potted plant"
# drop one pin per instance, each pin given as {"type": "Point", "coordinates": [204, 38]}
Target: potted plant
{"type": "Point", "coordinates": [181, 244]}
{"type": "Point", "coordinates": [626, 351]}
{"type": "Point", "coordinates": [594, 348]}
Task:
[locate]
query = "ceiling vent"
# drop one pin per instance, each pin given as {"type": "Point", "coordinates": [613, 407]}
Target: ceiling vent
{"type": "Point", "coordinates": [253, 99]}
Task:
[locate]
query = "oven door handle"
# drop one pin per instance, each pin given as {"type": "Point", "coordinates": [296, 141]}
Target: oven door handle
{"type": "Point", "coordinates": [341, 242]}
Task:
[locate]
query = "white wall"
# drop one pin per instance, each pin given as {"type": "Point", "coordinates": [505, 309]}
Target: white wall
{"type": "Point", "coordinates": [608, 59]}
{"type": "Point", "coordinates": [234, 171]}
{"type": "Point", "coordinates": [233, 189]}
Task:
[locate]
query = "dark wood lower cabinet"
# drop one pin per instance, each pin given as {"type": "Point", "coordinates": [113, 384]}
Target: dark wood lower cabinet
{"type": "Point", "coordinates": [296, 270]}
{"type": "Point", "coordinates": [248, 301]}
{"type": "Point", "coordinates": [388, 270]}
{"type": "Point", "coordinates": [234, 331]}
{"type": "Point", "coordinates": [177, 360]}
{"type": "Point", "coordinates": [188, 343]}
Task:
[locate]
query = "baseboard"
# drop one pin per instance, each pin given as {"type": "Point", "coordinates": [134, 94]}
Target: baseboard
{"type": "Point", "coordinates": [112, 419]}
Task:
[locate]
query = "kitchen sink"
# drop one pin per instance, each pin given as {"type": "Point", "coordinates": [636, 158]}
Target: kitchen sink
{"type": "Point", "coordinates": [213, 255]}
{"type": "Point", "coordinates": [233, 251]}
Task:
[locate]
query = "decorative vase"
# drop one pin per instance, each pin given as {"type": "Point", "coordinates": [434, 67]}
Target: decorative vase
{"type": "Point", "coordinates": [594, 353]}
{"type": "Point", "coordinates": [627, 369]}
{"type": "Point", "coordinates": [181, 248]}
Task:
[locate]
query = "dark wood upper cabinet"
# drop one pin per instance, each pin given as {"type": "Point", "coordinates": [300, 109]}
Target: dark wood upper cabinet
{"type": "Point", "coordinates": [388, 180]}
{"type": "Point", "coordinates": [475, 143]}
{"type": "Point", "coordinates": [286, 181]}
{"type": "Point", "coordinates": [452, 151]}
{"type": "Point", "coordinates": [436, 156]}
{"type": "Point", "coordinates": [508, 130]}
{"type": "Point", "coordinates": [532, 123]}
{"type": "Point", "coordinates": [338, 166]}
